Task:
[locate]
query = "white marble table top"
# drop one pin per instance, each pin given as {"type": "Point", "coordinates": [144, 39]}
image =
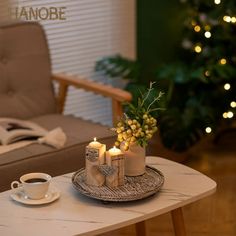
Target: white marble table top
{"type": "Point", "coordinates": [74, 214]}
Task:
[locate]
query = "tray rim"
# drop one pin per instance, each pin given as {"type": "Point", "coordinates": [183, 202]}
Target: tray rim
{"type": "Point", "coordinates": [138, 197]}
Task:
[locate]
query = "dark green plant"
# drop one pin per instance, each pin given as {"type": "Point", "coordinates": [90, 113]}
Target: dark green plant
{"type": "Point", "coordinates": [118, 66]}
{"type": "Point", "coordinates": [196, 86]}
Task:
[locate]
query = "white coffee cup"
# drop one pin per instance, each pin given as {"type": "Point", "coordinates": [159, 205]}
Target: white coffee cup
{"type": "Point", "coordinates": [35, 185]}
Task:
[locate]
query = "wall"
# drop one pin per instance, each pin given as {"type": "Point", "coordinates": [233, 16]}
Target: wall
{"type": "Point", "coordinates": [158, 33]}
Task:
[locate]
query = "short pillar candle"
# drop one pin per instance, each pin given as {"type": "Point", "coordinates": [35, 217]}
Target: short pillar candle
{"type": "Point", "coordinates": [115, 159]}
{"type": "Point", "coordinates": [95, 156]}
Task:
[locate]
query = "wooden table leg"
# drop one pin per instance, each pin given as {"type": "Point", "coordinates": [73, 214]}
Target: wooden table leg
{"type": "Point", "coordinates": [178, 222]}
{"type": "Point", "coordinates": [140, 228]}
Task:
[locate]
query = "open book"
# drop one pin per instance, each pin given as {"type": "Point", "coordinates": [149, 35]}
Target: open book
{"type": "Point", "coordinates": [13, 130]}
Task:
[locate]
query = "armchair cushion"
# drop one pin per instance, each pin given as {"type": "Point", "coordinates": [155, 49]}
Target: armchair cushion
{"type": "Point", "coordinates": [25, 75]}
{"type": "Point", "coordinates": [41, 158]}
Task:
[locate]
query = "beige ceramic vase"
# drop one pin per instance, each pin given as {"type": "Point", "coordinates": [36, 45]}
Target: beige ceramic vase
{"type": "Point", "coordinates": [134, 160]}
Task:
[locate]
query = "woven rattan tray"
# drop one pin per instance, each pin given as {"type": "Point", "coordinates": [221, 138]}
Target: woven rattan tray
{"type": "Point", "coordinates": [135, 188]}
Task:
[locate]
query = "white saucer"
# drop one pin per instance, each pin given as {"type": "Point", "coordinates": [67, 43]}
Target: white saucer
{"type": "Point", "coordinates": [19, 196]}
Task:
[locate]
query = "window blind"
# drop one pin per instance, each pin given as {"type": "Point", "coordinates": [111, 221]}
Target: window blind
{"type": "Point", "coordinates": [92, 29]}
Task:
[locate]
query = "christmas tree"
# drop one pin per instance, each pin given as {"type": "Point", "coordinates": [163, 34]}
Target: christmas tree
{"type": "Point", "coordinates": [200, 86]}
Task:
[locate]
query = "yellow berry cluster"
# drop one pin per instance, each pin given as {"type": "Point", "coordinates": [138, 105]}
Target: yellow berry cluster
{"type": "Point", "coordinates": [131, 131]}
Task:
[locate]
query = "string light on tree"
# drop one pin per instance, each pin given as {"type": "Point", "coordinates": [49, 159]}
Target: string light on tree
{"type": "Point", "coordinates": [208, 130]}
{"type": "Point", "coordinates": [217, 2]}
{"type": "Point", "coordinates": [230, 114]}
{"type": "Point", "coordinates": [193, 22]}
{"type": "Point", "coordinates": [207, 34]}
{"type": "Point", "coordinates": [197, 28]}
{"type": "Point", "coordinates": [207, 73]}
{"type": "Point", "coordinates": [227, 19]}
{"type": "Point", "coordinates": [233, 104]}
{"type": "Point", "coordinates": [225, 115]}
{"type": "Point", "coordinates": [207, 28]}
{"type": "Point", "coordinates": [222, 61]}
{"type": "Point", "coordinates": [197, 49]}
{"type": "Point", "coordinates": [227, 86]}
{"type": "Point", "coordinates": [233, 19]}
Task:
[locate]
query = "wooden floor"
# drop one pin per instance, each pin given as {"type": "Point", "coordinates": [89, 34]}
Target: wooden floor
{"type": "Point", "coordinates": [214, 215]}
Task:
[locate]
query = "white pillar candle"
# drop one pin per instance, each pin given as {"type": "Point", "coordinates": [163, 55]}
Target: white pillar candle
{"type": "Point", "coordinates": [95, 144]}
{"type": "Point", "coordinates": [115, 159]}
{"type": "Point", "coordinates": [95, 156]}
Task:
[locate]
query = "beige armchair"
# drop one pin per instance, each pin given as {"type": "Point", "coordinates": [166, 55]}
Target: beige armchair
{"type": "Point", "coordinates": [26, 92]}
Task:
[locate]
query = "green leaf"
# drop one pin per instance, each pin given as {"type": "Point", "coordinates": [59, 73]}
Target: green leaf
{"type": "Point", "coordinates": [177, 72]}
{"type": "Point", "coordinates": [118, 66]}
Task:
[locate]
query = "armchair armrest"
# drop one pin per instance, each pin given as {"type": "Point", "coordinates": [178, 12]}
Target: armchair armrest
{"type": "Point", "coordinates": [117, 95]}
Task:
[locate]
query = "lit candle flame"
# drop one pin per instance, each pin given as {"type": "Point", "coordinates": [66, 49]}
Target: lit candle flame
{"type": "Point", "coordinates": [114, 149]}
{"type": "Point", "coordinates": [95, 139]}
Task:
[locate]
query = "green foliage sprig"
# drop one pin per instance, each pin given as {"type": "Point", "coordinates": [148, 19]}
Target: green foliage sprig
{"type": "Point", "coordinates": [138, 124]}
